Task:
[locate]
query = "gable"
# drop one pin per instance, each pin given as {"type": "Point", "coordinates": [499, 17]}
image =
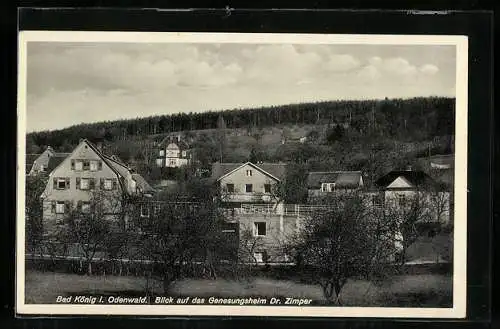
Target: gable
{"type": "Point", "coordinates": [240, 174]}
{"type": "Point", "coordinates": [82, 152]}
{"type": "Point", "coordinates": [400, 182]}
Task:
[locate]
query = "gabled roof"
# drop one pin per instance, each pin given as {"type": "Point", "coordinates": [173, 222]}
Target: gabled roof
{"type": "Point", "coordinates": [439, 161]}
{"type": "Point", "coordinates": [275, 170]}
{"type": "Point", "coordinates": [346, 179]}
{"type": "Point", "coordinates": [173, 140]}
{"type": "Point", "coordinates": [141, 183]}
{"type": "Point", "coordinates": [30, 158]}
{"type": "Point", "coordinates": [414, 177]}
{"type": "Point", "coordinates": [55, 160]}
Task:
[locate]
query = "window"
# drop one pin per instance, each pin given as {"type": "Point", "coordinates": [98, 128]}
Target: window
{"type": "Point", "coordinates": [84, 183]}
{"type": "Point", "coordinates": [86, 164]}
{"type": "Point", "coordinates": [401, 200]}
{"type": "Point", "coordinates": [230, 188]}
{"type": "Point", "coordinates": [85, 207]}
{"type": "Point", "coordinates": [79, 165]}
{"type": "Point", "coordinates": [144, 211]}
{"type": "Point", "coordinates": [259, 228]}
{"type": "Point", "coordinates": [249, 173]}
{"type": "Point", "coordinates": [60, 207]}
{"type": "Point", "coordinates": [184, 153]}
{"type": "Point", "coordinates": [267, 188]}
{"type": "Point", "coordinates": [249, 188]}
{"type": "Point", "coordinates": [156, 209]}
{"type": "Point", "coordinates": [328, 187]}
{"type": "Point", "coordinates": [259, 256]}
{"type": "Point", "coordinates": [108, 184]}
{"type": "Point", "coordinates": [93, 165]}
{"type": "Point", "coordinates": [172, 162]}
{"type": "Point", "coordinates": [377, 200]}
{"type": "Point", "coordinates": [162, 153]}
{"type": "Point", "coordinates": [62, 183]}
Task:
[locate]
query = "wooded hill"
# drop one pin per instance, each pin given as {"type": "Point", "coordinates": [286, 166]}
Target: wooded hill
{"type": "Point", "coordinates": [370, 135]}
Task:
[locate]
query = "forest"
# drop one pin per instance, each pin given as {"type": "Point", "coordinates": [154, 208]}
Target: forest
{"type": "Point", "coordinates": [374, 136]}
{"type": "Point", "coordinates": [409, 119]}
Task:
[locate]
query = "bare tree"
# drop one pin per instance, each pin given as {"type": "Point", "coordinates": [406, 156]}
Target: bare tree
{"type": "Point", "coordinates": [406, 213]}
{"type": "Point", "coordinates": [89, 226]}
{"type": "Point", "coordinates": [181, 239]}
{"type": "Point", "coordinates": [33, 212]}
{"type": "Point", "coordinates": [339, 243]}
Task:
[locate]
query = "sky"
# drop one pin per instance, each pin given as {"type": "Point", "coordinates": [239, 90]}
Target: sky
{"type": "Point", "coordinates": [72, 83]}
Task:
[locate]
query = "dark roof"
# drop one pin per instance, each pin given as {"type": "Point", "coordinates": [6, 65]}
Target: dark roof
{"type": "Point", "coordinates": [30, 158]}
{"type": "Point", "coordinates": [277, 170]}
{"type": "Point", "coordinates": [173, 139]}
{"type": "Point", "coordinates": [340, 178]}
{"type": "Point", "coordinates": [414, 177]}
{"type": "Point", "coordinates": [141, 183]}
{"type": "Point", "coordinates": [444, 160]}
{"type": "Point", "coordinates": [55, 160]}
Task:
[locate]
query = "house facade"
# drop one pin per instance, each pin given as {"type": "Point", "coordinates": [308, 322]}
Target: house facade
{"type": "Point", "coordinates": [248, 182]}
{"type": "Point", "coordinates": [173, 152]}
{"type": "Point", "coordinates": [324, 183]}
{"type": "Point", "coordinates": [400, 189]}
{"type": "Point", "coordinates": [45, 162]}
{"type": "Point", "coordinates": [81, 176]}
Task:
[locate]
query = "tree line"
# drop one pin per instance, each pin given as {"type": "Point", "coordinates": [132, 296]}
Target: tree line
{"type": "Point", "coordinates": [410, 119]}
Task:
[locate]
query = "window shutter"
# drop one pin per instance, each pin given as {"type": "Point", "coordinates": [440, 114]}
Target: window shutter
{"type": "Point", "coordinates": [55, 183]}
{"type": "Point", "coordinates": [91, 183]}
{"type": "Point", "coordinates": [68, 183]}
{"type": "Point", "coordinates": [53, 207]}
{"type": "Point", "coordinates": [115, 184]}
{"type": "Point", "coordinates": [72, 164]}
{"type": "Point", "coordinates": [66, 206]}
{"type": "Point", "coordinates": [101, 185]}
{"type": "Point", "coordinates": [100, 165]}
{"type": "Point", "coordinates": [77, 183]}
{"type": "Point", "coordinates": [79, 205]}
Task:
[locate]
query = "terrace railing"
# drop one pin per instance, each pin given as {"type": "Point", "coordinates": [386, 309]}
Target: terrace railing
{"type": "Point", "coordinates": [279, 209]}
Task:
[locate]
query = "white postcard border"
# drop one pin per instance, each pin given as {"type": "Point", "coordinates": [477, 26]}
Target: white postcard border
{"type": "Point", "coordinates": [460, 225]}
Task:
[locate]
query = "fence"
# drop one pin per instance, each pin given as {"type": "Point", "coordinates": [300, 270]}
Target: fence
{"type": "Point", "coordinates": [279, 209]}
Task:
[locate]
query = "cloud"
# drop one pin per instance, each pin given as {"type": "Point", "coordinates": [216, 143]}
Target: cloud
{"type": "Point", "coordinates": [429, 69]}
{"type": "Point", "coordinates": [375, 60]}
{"type": "Point", "coordinates": [342, 63]}
{"type": "Point", "coordinates": [398, 66]}
{"type": "Point", "coordinates": [369, 73]}
{"type": "Point", "coordinates": [107, 81]}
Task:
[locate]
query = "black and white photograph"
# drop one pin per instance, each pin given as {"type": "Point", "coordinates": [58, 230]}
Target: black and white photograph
{"type": "Point", "coordinates": [242, 174]}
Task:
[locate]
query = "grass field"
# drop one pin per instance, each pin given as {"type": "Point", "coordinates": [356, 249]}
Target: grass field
{"type": "Point", "coordinates": [425, 290]}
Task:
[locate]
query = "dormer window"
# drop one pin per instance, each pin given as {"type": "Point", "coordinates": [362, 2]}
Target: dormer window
{"type": "Point", "coordinates": [328, 187]}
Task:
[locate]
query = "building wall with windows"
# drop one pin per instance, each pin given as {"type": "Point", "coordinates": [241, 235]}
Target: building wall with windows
{"type": "Point", "coordinates": [267, 234]}
{"type": "Point", "coordinates": [83, 175]}
{"type": "Point", "coordinates": [247, 184]}
{"type": "Point", "coordinates": [173, 153]}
